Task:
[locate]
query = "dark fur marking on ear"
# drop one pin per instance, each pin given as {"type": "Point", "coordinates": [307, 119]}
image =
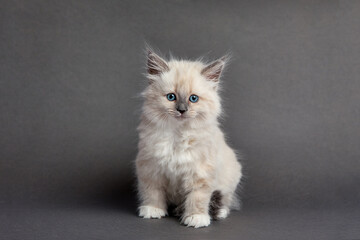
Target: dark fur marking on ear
{"type": "Point", "coordinates": [156, 65]}
{"type": "Point", "coordinates": [213, 71]}
{"type": "Point", "coordinates": [212, 75]}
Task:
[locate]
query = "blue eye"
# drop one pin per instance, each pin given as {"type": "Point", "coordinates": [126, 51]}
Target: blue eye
{"type": "Point", "coordinates": [193, 98]}
{"type": "Point", "coordinates": [171, 97]}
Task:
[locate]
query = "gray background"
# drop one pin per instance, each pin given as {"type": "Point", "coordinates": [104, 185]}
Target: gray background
{"type": "Point", "coordinates": [71, 72]}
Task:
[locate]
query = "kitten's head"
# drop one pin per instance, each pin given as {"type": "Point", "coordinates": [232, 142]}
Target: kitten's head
{"type": "Point", "coordinates": [182, 91]}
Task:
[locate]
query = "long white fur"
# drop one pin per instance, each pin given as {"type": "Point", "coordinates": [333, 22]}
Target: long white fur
{"type": "Point", "coordinates": [183, 159]}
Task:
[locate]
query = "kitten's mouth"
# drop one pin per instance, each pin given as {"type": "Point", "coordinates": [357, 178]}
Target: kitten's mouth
{"type": "Point", "coordinates": [180, 116]}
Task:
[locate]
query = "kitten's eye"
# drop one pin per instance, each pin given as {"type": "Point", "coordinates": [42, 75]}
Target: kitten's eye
{"type": "Point", "coordinates": [193, 98]}
{"type": "Point", "coordinates": [171, 97]}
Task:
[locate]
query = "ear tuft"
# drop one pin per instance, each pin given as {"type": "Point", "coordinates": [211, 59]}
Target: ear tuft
{"type": "Point", "coordinates": [213, 71]}
{"type": "Point", "coordinates": [155, 64]}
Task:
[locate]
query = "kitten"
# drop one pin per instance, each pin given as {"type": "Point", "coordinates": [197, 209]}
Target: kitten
{"type": "Point", "coordinates": [183, 157]}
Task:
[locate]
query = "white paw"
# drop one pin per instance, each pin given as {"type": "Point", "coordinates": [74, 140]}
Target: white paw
{"type": "Point", "coordinates": [223, 213]}
{"type": "Point", "coordinates": [197, 220]}
{"type": "Point", "coordinates": [151, 212]}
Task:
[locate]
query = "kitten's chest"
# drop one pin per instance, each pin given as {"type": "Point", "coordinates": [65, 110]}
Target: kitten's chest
{"type": "Point", "coordinates": [175, 151]}
{"type": "Point", "coordinates": [174, 144]}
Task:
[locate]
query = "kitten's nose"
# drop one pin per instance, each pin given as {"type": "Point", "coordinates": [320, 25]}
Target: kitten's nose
{"type": "Point", "coordinates": [181, 111]}
{"type": "Point", "coordinates": [181, 108]}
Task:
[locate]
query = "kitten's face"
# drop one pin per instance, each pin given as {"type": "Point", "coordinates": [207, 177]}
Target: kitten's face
{"type": "Point", "coordinates": [182, 91]}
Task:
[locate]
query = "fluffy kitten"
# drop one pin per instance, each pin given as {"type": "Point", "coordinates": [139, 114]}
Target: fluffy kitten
{"type": "Point", "coordinates": [183, 158]}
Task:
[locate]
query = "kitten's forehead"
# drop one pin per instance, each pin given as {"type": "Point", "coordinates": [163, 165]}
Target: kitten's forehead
{"type": "Point", "coordinates": [186, 66]}
{"type": "Point", "coordinates": [186, 75]}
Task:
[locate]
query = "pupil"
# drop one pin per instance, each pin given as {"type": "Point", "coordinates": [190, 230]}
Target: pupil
{"type": "Point", "coordinates": [171, 96]}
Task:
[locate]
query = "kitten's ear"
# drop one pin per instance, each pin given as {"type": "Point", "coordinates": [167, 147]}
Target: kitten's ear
{"type": "Point", "coordinates": [155, 64]}
{"type": "Point", "coordinates": [213, 71]}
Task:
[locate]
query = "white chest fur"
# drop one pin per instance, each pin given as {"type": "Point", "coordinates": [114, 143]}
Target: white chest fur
{"type": "Point", "coordinates": [180, 154]}
{"type": "Point", "coordinates": [174, 151]}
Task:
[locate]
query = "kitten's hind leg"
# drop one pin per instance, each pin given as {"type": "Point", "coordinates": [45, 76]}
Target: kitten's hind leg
{"type": "Point", "coordinates": [229, 201]}
{"type": "Point", "coordinates": [219, 207]}
{"type": "Point", "coordinates": [215, 204]}
{"type": "Point", "coordinates": [178, 211]}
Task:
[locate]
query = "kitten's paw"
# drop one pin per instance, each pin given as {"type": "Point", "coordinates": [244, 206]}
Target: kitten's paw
{"type": "Point", "coordinates": [223, 213]}
{"type": "Point", "coordinates": [197, 220]}
{"type": "Point", "coordinates": [151, 212]}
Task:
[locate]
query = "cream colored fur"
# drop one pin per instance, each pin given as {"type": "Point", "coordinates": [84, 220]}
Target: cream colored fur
{"type": "Point", "coordinates": [183, 158]}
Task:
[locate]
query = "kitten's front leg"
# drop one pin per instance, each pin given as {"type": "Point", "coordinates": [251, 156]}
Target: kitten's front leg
{"type": "Point", "coordinates": [152, 194]}
{"type": "Point", "coordinates": [197, 205]}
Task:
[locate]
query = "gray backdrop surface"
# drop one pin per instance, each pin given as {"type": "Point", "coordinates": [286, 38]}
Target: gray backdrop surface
{"type": "Point", "coordinates": [71, 72]}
